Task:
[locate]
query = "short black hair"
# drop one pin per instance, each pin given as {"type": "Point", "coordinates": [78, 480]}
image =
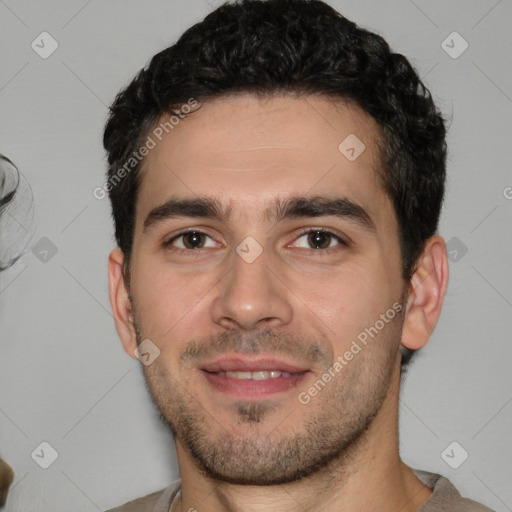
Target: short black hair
{"type": "Point", "coordinates": [302, 47]}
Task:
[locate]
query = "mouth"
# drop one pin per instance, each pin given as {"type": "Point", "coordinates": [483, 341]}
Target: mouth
{"type": "Point", "coordinates": [247, 377]}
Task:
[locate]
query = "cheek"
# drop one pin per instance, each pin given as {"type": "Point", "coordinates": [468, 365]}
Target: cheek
{"type": "Point", "coordinates": [170, 303]}
{"type": "Point", "coordinates": [345, 302]}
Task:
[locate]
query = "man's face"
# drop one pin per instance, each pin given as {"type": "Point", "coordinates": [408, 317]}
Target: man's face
{"type": "Point", "coordinates": [267, 284]}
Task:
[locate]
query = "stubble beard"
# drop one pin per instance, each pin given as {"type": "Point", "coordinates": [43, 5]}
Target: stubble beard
{"type": "Point", "coordinates": [332, 432]}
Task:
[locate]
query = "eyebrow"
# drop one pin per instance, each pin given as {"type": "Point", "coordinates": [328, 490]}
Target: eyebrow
{"type": "Point", "coordinates": [282, 209]}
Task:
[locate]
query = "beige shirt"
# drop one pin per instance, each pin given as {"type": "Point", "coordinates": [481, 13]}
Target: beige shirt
{"type": "Point", "coordinates": [444, 498]}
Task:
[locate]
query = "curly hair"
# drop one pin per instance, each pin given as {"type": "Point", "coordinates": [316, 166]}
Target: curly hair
{"type": "Point", "coordinates": [302, 47]}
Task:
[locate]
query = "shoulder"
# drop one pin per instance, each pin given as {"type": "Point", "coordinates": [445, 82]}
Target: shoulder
{"type": "Point", "coordinates": [159, 501]}
{"type": "Point", "coordinates": [445, 496]}
{"type": "Point", "coordinates": [147, 503]}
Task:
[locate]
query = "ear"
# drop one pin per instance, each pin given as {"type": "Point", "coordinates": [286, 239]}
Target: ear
{"type": "Point", "coordinates": [426, 293]}
{"type": "Point", "coordinates": [120, 302]}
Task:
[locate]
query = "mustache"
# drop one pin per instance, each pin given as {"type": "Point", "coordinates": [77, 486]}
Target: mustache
{"type": "Point", "coordinates": [267, 341]}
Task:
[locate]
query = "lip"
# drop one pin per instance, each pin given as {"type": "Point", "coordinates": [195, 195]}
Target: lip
{"type": "Point", "coordinates": [248, 363]}
{"type": "Point", "coordinates": [249, 389]}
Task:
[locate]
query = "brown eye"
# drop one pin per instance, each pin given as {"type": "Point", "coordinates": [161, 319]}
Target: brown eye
{"type": "Point", "coordinates": [319, 239]}
{"type": "Point", "coordinates": [193, 240]}
{"type": "Point", "coordinates": [190, 240]}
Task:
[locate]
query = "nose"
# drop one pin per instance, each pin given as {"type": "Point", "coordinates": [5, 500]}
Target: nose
{"type": "Point", "coordinates": [251, 296]}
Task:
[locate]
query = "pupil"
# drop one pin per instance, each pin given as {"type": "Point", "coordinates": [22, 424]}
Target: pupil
{"type": "Point", "coordinates": [319, 239]}
{"type": "Point", "coordinates": [193, 240]}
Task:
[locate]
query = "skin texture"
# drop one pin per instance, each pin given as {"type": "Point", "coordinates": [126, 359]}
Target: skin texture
{"type": "Point", "coordinates": [303, 304]}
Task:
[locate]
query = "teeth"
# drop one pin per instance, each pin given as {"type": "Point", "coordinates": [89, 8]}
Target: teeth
{"type": "Point", "coordinates": [260, 375]}
{"type": "Point", "coordinates": [257, 375]}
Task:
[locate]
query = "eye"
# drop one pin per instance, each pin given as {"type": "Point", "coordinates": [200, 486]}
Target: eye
{"type": "Point", "coordinates": [190, 240]}
{"type": "Point", "coordinates": [318, 239]}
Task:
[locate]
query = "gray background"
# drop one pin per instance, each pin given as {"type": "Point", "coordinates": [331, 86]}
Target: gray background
{"type": "Point", "coordinates": [64, 378]}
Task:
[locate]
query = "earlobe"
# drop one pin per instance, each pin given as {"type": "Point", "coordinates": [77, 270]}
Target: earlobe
{"type": "Point", "coordinates": [121, 303]}
{"type": "Point", "coordinates": [426, 293]}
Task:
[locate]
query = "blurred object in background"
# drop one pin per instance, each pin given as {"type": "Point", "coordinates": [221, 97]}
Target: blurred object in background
{"type": "Point", "coordinates": [16, 213]}
{"type": "Point", "coordinates": [6, 478]}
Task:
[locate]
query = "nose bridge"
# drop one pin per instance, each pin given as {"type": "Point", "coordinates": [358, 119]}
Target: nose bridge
{"type": "Point", "coordinates": [251, 294]}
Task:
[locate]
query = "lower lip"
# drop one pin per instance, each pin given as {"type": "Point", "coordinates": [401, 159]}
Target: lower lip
{"type": "Point", "coordinates": [249, 388]}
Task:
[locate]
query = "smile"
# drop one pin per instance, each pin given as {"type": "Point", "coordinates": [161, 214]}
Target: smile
{"type": "Point", "coordinates": [256, 375]}
{"type": "Point", "coordinates": [253, 385]}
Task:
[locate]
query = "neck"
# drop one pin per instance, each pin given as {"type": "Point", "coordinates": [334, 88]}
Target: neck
{"type": "Point", "coordinates": [369, 476]}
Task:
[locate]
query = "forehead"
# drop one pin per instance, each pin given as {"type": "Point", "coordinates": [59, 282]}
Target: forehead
{"type": "Point", "coordinates": [250, 150]}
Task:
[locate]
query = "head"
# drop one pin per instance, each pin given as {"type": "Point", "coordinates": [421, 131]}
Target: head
{"type": "Point", "coordinates": [245, 123]}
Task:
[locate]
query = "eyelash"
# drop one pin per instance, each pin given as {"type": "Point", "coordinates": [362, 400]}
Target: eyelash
{"type": "Point", "coordinates": [198, 252]}
{"type": "Point", "coordinates": [325, 252]}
